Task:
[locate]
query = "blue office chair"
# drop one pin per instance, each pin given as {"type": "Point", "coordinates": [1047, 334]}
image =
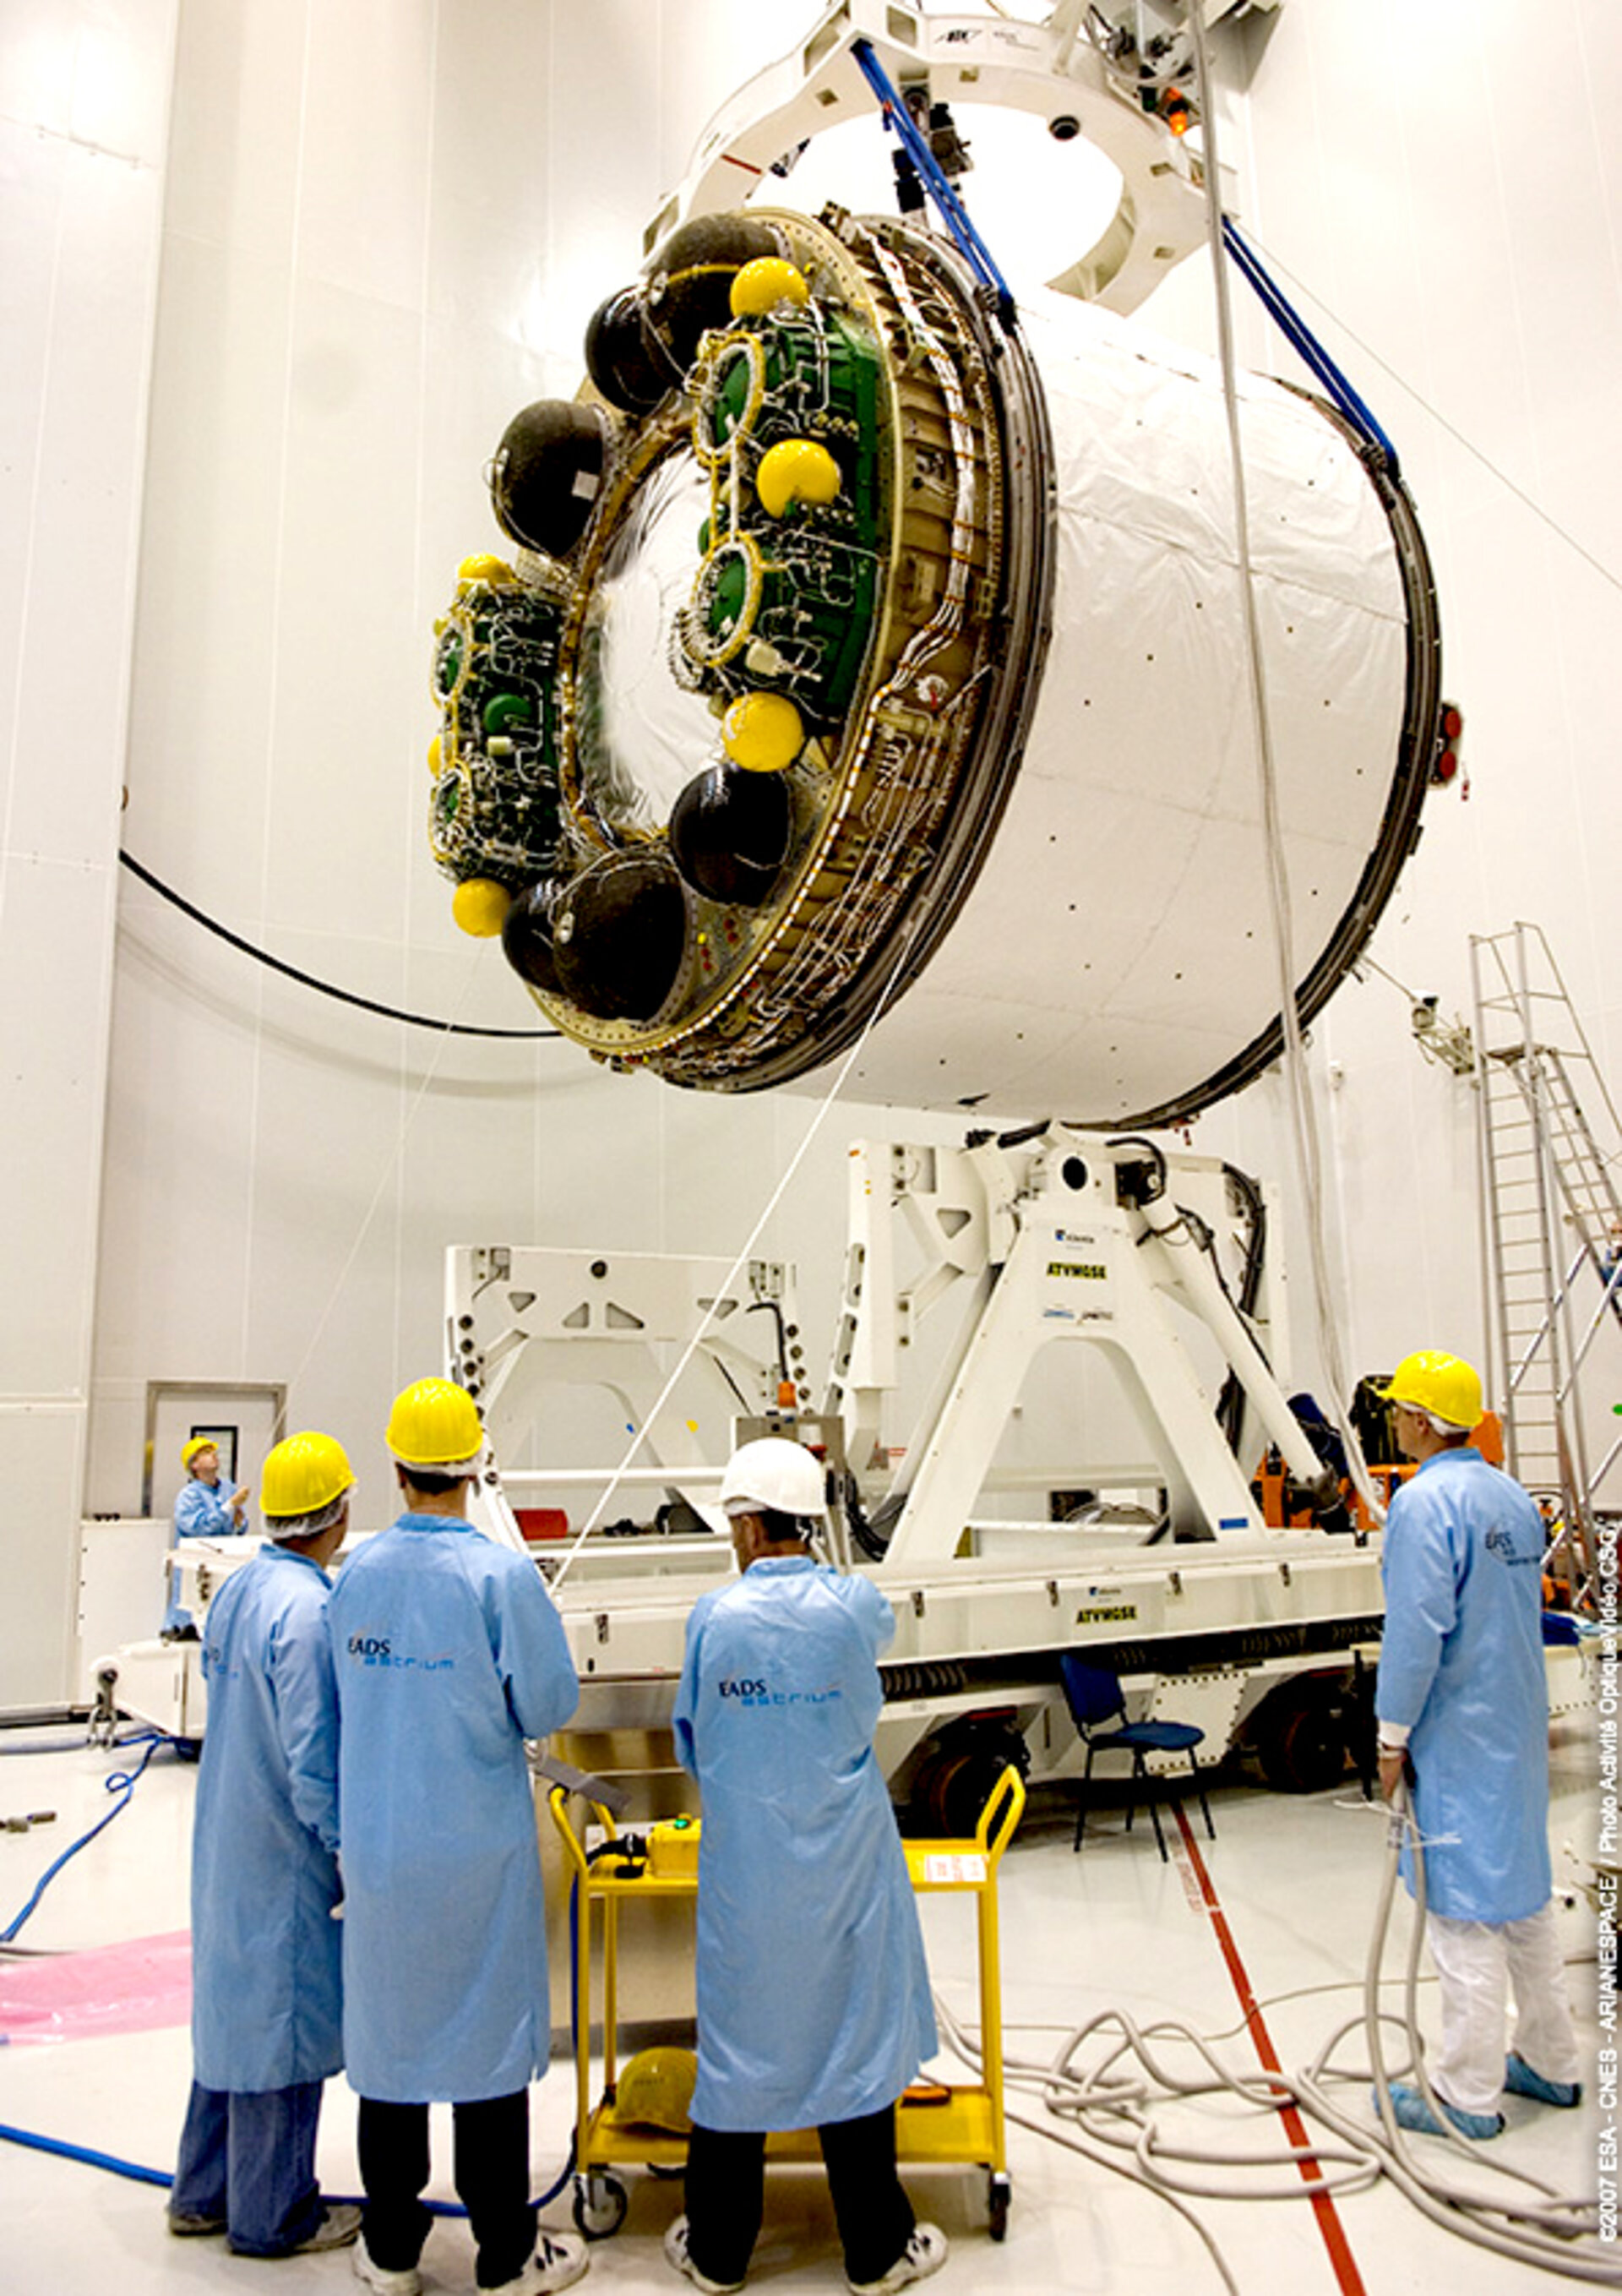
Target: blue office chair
{"type": "Point", "coordinates": [1094, 1696]}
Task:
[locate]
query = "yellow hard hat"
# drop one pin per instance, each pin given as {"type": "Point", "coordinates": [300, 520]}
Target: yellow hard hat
{"type": "Point", "coordinates": [1442, 1384]}
{"type": "Point", "coordinates": [655, 2089]}
{"type": "Point", "coordinates": [189, 1451]}
{"type": "Point", "coordinates": [303, 1474]}
{"type": "Point", "coordinates": [435, 1424]}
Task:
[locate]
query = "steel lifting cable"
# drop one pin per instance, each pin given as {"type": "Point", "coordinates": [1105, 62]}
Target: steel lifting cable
{"type": "Point", "coordinates": [1304, 1130]}
{"type": "Point", "coordinates": [1596, 565]}
{"type": "Point", "coordinates": [745, 1251]}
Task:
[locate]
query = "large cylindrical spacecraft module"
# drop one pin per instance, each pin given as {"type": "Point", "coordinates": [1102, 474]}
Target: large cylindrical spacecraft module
{"type": "Point", "coordinates": [870, 671]}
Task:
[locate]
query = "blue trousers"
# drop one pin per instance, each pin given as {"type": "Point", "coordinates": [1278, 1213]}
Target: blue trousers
{"type": "Point", "coordinates": [174, 1611]}
{"type": "Point", "coordinates": [249, 2156]}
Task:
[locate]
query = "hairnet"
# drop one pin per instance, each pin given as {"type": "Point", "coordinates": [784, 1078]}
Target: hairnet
{"type": "Point", "coordinates": [283, 1527]}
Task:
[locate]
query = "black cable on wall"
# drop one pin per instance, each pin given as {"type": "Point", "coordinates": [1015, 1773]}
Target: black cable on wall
{"type": "Point", "coordinates": [308, 979]}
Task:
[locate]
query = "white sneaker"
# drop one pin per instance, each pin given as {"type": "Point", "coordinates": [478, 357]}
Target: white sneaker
{"type": "Point", "coordinates": [926, 2251]}
{"type": "Point", "coordinates": [560, 2260]}
{"type": "Point", "coordinates": [337, 2227]}
{"type": "Point", "coordinates": [408, 2283]}
{"type": "Point", "coordinates": [678, 2257]}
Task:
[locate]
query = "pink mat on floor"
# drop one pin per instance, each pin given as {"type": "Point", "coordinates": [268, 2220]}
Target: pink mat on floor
{"type": "Point", "coordinates": [115, 1988]}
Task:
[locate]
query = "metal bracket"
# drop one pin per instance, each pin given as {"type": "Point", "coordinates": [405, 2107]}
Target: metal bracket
{"type": "Point", "coordinates": [580, 1782]}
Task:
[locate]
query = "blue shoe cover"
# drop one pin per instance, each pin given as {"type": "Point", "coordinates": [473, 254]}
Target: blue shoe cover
{"type": "Point", "coordinates": [1521, 2080]}
{"type": "Point", "coordinates": [1410, 2111]}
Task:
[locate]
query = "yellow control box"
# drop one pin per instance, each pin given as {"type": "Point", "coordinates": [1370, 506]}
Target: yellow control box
{"type": "Point", "coordinates": [673, 1847]}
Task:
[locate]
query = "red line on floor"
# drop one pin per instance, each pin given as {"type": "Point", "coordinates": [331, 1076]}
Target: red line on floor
{"type": "Point", "coordinates": [1323, 2204]}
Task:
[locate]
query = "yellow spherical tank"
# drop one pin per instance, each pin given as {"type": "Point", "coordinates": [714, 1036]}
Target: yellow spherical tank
{"type": "Point", "coordinates": [484, 566]}
{"type": "Point", "coordinates": [795, 471]}
{"type": "Point", "coordinates": [479, 907]}
{"type": "Point", "coordinates": [762, 733]}
{"type": "Point", "coordinates": [761, 285]}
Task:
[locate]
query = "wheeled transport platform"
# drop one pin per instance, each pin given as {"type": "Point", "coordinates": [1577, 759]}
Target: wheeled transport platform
{"type": "Point", "coordinates": [936, 2123]}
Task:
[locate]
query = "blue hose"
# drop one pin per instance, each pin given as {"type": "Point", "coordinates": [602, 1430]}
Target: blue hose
{"type": "Point", "coordinates": [138, 2175]}
{"type": "Point", "coordinates": [119, 1783]}
{"type": "Point", "coordinates": [91, 2159]}
{"type": "Point", "coordinates": [122, 1782]}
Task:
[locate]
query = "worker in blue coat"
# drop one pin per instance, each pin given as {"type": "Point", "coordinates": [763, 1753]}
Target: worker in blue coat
{"type": "Point", "coordinates": [205, 1507]}
{"type": "Point", "coordinates": [800, 1869]}
{"type": "Point", "coordinates": [449, 1654]}
{"type": "Point", "coordinates": [1463, 1705]}
{"type": "Point", "coordinates": [267, 2017]}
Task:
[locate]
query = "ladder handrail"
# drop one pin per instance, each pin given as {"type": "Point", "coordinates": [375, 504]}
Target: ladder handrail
{"type": "Point", "coordinates": [1559, 994]}
{"type": "Point", "coordinates": [1544, 1091]}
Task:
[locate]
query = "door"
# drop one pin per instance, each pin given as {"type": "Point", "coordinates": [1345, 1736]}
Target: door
{"type": "Point", "coordinates": [241, 1416]}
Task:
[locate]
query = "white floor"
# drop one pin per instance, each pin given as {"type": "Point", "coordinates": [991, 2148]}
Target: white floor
{"type": "Point", "coordinates": [1292, 1890]}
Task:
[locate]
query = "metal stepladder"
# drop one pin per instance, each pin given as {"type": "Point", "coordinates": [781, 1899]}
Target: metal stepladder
{"type": "Point", "coordinates": [1551, 1152]}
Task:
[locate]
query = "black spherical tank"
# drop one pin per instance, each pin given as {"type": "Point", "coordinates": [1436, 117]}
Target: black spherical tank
{"type": "Point", "coordinates": [619, 932]}
{"type": "Point", "coordinates": [526, 936]}
{"type": "Point", "coordinates": [629, 374]}
{"type": "Point", "coordinates": [729, 832]}
{"type": "Point", "coordinates": [545, 473]}
{"type": "Point", "coordinates": [690, 276]}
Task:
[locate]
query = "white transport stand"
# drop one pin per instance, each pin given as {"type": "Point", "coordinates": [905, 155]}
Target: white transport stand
{"type": "Point", "coordinates": [162, 1682]}
{"type": "Point", "coordinates": [1104, 1248]}
{"type": "Point", "coordinates": [1059, 1298]}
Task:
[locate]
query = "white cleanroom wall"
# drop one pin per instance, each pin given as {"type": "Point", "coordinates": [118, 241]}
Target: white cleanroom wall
{"type": "Point", "coordinates": [354, 302]}
{"type": "Point", "coordinates": [84, 115]}
{"type": "Point", "coordinates": [1443, 182]}
{"type": "Point", "coordinates": [356, 295]}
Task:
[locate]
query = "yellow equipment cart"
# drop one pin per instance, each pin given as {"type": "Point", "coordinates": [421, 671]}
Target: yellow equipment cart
{"type": "Point", "coordinates": [937, 2123]}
